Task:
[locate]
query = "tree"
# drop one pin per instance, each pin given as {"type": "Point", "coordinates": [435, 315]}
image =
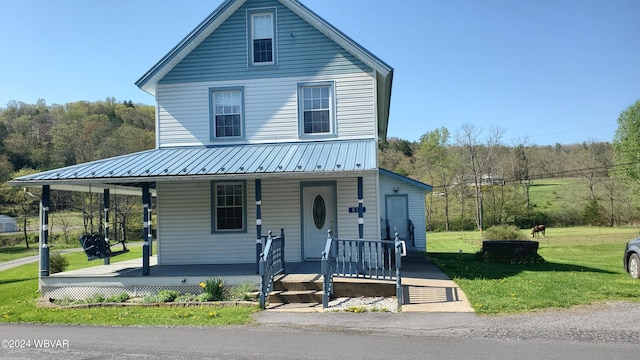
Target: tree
{"type": "Point", "coordinates": [434, 152]}
{"type": "Point", "coordinates": [25, 203]}
{"type": "Point", "coordinates": [478, 156]}
{"type": "Point", "coordinates": [626, 141]}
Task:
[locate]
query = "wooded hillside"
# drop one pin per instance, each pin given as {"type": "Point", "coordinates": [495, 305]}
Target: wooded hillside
{"type": "Point", "coordinates": [478, 180]}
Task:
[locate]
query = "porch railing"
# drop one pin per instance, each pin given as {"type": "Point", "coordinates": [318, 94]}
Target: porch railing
{"type": "Point", "coordinates": [411, 230]}
{"type": "Point", "coordinates": [412, 233]}
{"type": "Point", "coordinates": [271, 264]}
{"type": "Point", "coordinates": [369, 259]}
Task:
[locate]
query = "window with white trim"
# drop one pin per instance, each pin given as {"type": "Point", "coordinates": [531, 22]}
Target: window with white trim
{"type": "Point", "coordinates": [262, 50]}
{"type": "Point", "coordinates": [316, 108]}
{"type": "Point", "coordinates": [227, 113]}
{"type": "Point", "coordinates": [229, 206]}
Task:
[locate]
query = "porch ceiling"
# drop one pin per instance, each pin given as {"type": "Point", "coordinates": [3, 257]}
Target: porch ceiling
{"type": "Point", "coordinates": [232, 161]}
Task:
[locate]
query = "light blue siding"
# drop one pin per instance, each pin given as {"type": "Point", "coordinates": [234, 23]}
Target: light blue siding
{"type": "Point", "coordinates": [302, 51]}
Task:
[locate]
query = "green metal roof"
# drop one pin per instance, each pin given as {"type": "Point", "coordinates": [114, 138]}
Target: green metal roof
{"type": "Point", "coordinates": [237, 161]}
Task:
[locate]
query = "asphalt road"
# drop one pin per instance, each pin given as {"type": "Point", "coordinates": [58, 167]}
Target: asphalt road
{"type": "Point", "coordinates": [608, 331]}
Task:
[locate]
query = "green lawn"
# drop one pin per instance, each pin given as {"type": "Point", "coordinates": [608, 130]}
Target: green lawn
{"type": "Point", "coordinates": [14, 252]}
{"type": "Point", "coordinates": [583, 266]}
{"type": "Point", "coordinates": [18, 299]}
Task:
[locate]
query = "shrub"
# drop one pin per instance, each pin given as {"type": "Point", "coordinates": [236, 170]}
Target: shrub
{"type": "Point", "coordinates": [594, 214]}
{"type": "Point", "coordinates": [213, 289]}
{"type": "Point", "coordinates": [149, 299]}
{"type": "Point", "coordinates": [504, 232]}
{"type": "Point", "coordinates": [95, 298]}
{"type": "Point", "coordinates": [167, 295]}
{"type": "Point", "coordinates": [122, 297]}
{"type": "Point", "coordinates": [57, 263]}
{"type": "Point", "coordinates": [244, 291]}
{"type": "Point", "coordinates": [184, 298]}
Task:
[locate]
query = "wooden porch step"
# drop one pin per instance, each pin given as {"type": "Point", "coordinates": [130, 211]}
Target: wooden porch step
{"type": "Point", "coordinates": [307, 288]}
{"type": "Point", "coordinates": [295, 297]}
{"type": "Point", "coordinates": [298, 282]}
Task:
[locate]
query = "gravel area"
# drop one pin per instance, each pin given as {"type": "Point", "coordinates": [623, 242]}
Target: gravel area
{"type": "Point", "coordinates": [612, 322]}
{"type": "Point", "coordinates": [372, 304]}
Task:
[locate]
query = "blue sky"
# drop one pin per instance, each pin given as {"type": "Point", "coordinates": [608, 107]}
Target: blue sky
{"type": "Point", "coordinates": [545, 71]}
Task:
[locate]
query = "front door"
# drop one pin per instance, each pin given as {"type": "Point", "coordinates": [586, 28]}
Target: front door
{"type": "Point", "coordinates": [397, 215]}
{"type": "Point", "coordinates": [318, 217]}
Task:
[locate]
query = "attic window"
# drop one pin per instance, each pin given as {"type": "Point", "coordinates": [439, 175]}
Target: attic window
{"type": "Point", "coordinates": [262, 37]}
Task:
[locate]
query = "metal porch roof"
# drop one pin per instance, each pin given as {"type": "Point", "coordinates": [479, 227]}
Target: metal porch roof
{"type": "Point", "coordinates": [239, 161]}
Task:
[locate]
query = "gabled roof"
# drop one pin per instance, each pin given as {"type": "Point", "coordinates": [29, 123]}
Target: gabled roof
{"type": "Point", "coordinates": [203, 162]}
{"type": "Point", "coordinates": [384, 72]}
{"type": "Point", "coordinates": [416, 183]}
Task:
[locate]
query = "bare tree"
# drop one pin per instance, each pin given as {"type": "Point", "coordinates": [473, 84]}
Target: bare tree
{"type": "Point", "coordinates": [477, 156]}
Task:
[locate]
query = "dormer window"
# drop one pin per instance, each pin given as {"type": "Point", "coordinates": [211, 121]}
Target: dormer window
{"type": "Point", "coordinates": [262, 44]}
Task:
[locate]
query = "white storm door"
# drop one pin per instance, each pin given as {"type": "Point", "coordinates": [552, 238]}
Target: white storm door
{"type": "Point", "coordinates": [318, 216]}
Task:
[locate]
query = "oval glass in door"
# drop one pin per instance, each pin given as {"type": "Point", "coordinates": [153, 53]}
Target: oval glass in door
{"type": "Point", "coordinates": [319, 211]}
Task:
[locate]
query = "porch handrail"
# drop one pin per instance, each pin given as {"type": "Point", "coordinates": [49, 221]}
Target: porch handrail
{"type": "Point", "coordinates": [412, 233]}
{"type": "Point", "coordinates": [271, 264]}
{"type": "Point", "coordinates": [326, 264]}
{"type": "Point", "coordinates": [359, 258]}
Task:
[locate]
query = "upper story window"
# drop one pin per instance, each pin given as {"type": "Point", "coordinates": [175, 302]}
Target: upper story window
{"type": "Point", "coordinates": [261, 28]}
{"type": "Point", "coordinates": [227, 113]}
{"type": "Point", "coordinates": [316, 109]}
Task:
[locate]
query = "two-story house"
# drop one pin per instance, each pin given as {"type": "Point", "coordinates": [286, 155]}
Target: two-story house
{"type": "Point", "coordinates": [267, 118]}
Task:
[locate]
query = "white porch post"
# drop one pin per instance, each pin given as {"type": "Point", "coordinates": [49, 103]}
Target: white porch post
{"type": "Point", "coordinates": [107, 260]}
{"type": "Point", "coordinates": [146, 234]}
{"type": "Point", "coordinates": [258, 223]}
{"type": "Point", "coordinates": [44, 231]}
{"type": "Point", "coordinates": [360, 208]}
{"type": "Point", "coordinates": [360, 225]}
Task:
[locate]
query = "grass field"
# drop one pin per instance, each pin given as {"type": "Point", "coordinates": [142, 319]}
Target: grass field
{"type": "Point", "coordinates": [583, 266]}
{"type": "Point", "coordinates": [18, 299]}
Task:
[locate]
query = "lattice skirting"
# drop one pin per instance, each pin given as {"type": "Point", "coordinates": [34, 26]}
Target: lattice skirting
{"type": "Point", "coordinates": [83, 292]}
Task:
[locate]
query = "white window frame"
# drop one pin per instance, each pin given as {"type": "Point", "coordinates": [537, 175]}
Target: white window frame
{"type": "Point", "coordinates": [332, 109]}
{"type": "Point", "coordinates": [214, 207]}
{"type": "Point", "coordinates": [251, 15]}
{"type": "Point", "coordinates": [214, 136]}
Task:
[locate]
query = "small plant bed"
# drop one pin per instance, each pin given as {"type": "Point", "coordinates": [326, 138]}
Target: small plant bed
{"type": "Point", "coordinates": [215, 292]}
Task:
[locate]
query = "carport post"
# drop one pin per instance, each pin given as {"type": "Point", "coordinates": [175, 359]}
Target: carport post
{"type": "Point", "coordinates": [146, 246]}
